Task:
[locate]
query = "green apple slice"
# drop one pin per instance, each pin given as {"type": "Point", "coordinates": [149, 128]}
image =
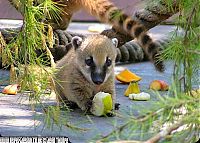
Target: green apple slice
{"type": "Point", "coordinates": [102, 104]}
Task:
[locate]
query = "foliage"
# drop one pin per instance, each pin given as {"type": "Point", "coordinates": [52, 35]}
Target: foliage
{"type": "Point", "coordinates": [29, 70]}
{"type": "Point", "coordinates": [179, 110]}
{"type": "Point", "coordinates": [176, 117]}
{"type": "Point", "coordinates": [185, 50]}
{"type": "Point", "coordinates": [160, 120]}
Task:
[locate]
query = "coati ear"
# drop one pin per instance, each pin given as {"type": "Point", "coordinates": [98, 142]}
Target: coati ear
{"type": "Point", "coordinates": [76, 41]}
{"type": "Point", "coordinates": [115, 42]}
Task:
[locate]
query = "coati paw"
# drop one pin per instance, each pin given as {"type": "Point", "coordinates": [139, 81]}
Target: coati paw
{"type": "Point", "coordinates": [110, 114]}
{"type": "Point", "coordinates": [117, 106]}
{"type": "Point", "coordinates": [68, 105]}
{"type": "Point", "coordinates": [72, 105]}
{"type": "Point", "coordinates": [87, 107]}
{"type": "Point", "coordinates": [89, 104]}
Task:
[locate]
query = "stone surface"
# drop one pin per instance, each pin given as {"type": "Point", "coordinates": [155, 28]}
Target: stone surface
{"type": "Point", "coordinates": [18, 119]}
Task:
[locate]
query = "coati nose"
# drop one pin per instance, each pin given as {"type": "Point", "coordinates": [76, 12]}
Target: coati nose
{"type": "Point", "coordinates": [97, 78]}
{"type": "Point", "coordinates": [98, 82]}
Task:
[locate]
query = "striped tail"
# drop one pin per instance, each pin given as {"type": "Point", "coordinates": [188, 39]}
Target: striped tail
{"type": "Point", "coordinates": [109, 13]}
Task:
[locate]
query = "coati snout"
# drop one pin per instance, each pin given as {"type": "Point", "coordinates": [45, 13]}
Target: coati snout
{"type": "Point", "coordinates": [98, 78]}
{"type": "Point", "coordinates": [98, 74]}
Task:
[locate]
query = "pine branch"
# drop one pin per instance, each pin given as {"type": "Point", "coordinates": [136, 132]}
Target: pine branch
{"type": "Point", "coordinates": [182, 119]}
{"type": "Point", "coordinates": [66, 124]}
{"type": "Point", "coordinates": [138, 119]}
{"type": "Point", "coordinates": [155, 138]}
{"type": "Point", "coordinates": [164, 133]}
{"type": "Point", "coordinates": [2, 54]}
{"type": "Point", "coordinates": [2, 43]}
{"type": "Point", "coordinates": [190, 18]}
{"type": "Point", "coordinates": [193, 51]}
{"type": "Point", "coordinates": [185, 42]}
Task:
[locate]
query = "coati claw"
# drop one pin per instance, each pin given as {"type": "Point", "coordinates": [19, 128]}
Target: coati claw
{"type": "Point", "coordinates": [69, 104]}
{"type": "Point", "coordinates": [110, 114]}
{"type": "Point", "coordinates": [89, 104]}
{"type": "Point", "coordinates": [117, 106]}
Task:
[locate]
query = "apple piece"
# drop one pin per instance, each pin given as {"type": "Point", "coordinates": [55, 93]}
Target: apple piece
{"type": "Point", "coordinates": [159, 85]}
{"type": "Point", "coordinates": [164, 85]}
{"type": "Point", "coordinates": [11, 89]}
{"type": "Point", "coordinates": [155, 85]}
{"type": "Point", "coordinates": [102, 104]}
{"type": "Point", "coordinates": [132, 88]}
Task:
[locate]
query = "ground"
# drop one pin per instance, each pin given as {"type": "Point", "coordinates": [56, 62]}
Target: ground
{"type": "Point", "coordinates": [18, 119]}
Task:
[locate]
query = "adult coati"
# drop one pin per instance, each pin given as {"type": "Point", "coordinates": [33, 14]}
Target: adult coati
{"type": "Point", "coordinates": [107, 12]}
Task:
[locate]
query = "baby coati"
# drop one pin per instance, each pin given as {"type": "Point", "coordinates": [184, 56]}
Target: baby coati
{"type": "Point", "coordinates": [86, 69]}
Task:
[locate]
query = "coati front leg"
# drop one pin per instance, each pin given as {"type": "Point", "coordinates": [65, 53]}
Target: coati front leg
{"type": "Point", "coordinates": [82, 99]}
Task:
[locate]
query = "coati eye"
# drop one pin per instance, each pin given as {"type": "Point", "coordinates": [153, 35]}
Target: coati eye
{"type": "Point", "coordinates": [89, 61]}
{"type": "Point", "coordinates": [108, 61]}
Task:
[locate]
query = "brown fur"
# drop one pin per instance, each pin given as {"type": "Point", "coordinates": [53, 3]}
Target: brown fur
{"type": "Point", "coordinates": [73, 78]}
{"type": "Point", "coordinates": [106, 12]}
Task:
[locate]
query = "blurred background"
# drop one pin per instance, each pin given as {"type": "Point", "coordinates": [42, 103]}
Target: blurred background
{"type": "Point", "coordinates": [7, 11]}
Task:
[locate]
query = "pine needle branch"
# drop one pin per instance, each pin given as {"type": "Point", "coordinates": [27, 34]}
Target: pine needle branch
{"type": "Point", "coordinates": [193, 51]}
{"type": "Point", "coordinates": [139, 119]}
{"type": "Point", "coordinates": [66, 124]}
{"type": "Point", "coordinates": [164, 133]}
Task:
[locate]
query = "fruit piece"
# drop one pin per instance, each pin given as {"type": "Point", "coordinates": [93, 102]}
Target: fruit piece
{"type": "Point", "coordinates": [140, 96]}
{"type": "Point", "coordinates": [102, 104]}
{"type": "Point", "coordinates": [127, 76]}
{"type": "Point", "coordinates": [164, 85]}
{"type": "Point", "coordinates": [155, 85]}
{"type": "Point", "coordinates": [11, 89]}
{"type": "Point", "coordinates": [96, 28]}
{"type": "Point", "coordinates": [132, 88]}
{"type": "Point", "coordinates": [159, 85]}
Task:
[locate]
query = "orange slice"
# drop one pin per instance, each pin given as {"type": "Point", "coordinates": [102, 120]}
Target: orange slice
{"type": "Point", "coordinates": [127, 76]}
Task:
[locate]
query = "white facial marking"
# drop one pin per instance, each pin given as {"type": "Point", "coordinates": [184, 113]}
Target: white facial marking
{"type": "Point", "coordinates": [98, 70]}
{"type": "Point", "coordinates": [115, 42]}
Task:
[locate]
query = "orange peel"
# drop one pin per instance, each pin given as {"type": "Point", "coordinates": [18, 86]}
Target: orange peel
{"type": "Point", "coordinates": [127, 76]}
